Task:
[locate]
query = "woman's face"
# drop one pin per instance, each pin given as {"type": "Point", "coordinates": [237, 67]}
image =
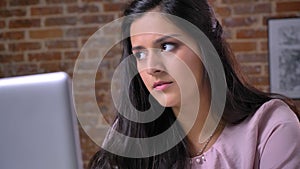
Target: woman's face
{"type": "Point", "coordinates": [162, 59]}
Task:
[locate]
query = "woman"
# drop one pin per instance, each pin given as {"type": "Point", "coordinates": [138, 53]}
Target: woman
{"type": "Point", "coordinates": [257, 130]}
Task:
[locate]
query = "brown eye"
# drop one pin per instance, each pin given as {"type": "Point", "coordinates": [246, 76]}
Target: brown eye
{"type": "Point", "coordinates": [168, 47]}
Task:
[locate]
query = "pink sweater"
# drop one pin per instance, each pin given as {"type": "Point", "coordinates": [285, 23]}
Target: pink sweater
{"type": "Point", "coordinates": [270, 139]}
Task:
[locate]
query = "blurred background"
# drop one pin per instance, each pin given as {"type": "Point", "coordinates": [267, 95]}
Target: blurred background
{"type": "Point", "coordinates": [40, 36]}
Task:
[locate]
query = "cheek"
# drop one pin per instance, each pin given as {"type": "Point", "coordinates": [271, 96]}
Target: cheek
{"type": "Point", "coordinates": [194, 63]}
{"type": "Point", "coordinates": [196, 67]}
{"type": "Point", "coordinates": [146, 79]}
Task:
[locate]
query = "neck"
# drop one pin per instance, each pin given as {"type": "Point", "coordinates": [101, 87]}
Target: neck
{"type": "Point", "coordinates": [191, 123]}
{"type": "Point", "coordinates": [194, 134]}
{"type": "Point", "coordinates": [194, 131]}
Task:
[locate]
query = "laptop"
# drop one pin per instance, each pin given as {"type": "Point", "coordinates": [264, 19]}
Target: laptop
{"type": "Point", "coordinates": [38, 127]}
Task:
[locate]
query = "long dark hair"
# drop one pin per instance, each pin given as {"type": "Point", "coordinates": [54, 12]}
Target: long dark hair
{"type": "Point", "coordinates": [242, 100]}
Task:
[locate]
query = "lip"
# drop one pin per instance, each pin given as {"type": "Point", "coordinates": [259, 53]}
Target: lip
{"type": "Point", "coordinates": [162, 85]}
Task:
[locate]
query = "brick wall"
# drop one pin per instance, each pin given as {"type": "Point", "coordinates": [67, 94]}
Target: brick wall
{"type": "Point", "coordinates": [39, 36]}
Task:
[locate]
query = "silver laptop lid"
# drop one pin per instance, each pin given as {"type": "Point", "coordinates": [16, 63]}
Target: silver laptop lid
{"type": "Point", "coordinates": [38, 126]}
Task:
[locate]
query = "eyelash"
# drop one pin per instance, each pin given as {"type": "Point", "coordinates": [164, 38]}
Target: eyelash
{"type": "Point", "coordinates": [168, 43]}
{"type": "Point", "coordinates": [138, 54]}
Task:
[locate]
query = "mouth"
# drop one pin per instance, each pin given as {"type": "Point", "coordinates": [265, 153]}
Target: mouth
{"type": "Point", "coordinates": [161, 85]}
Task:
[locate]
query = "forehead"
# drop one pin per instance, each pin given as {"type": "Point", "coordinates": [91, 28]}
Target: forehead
{"type": "Point", "coordinates": [154, 23]}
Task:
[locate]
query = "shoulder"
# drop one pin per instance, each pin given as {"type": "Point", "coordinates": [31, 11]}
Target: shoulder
{"type": "Point", "coordinates": [278, 133]}
{"type": "Point", "coordinates": [271, 116]}
{"type": "Point", "coordinates": [268, 117]}
{"type": "Point", "coordinates": [273, 112]}
{"type": "Point", "coordinates": [273, 129]}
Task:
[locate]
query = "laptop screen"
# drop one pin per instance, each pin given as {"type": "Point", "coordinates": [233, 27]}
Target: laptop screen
{"type": "Point", "coordinates": [38, 126]}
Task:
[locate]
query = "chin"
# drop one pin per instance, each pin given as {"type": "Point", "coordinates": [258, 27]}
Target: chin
{"type": "Point", "coordinates": [166, 102]}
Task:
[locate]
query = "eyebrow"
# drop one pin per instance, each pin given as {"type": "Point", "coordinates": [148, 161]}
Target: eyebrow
{"type": "Point", "coordinates": [157, 41]}
{"type": "Point", "coordinates": [161, 39]}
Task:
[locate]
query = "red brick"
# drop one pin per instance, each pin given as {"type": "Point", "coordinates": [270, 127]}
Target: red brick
{"type": "Point", "coordinates": [24, 46]}
{"type": "Point", "coordinates": [53, 66]}
{"type": "Point", "coordinates": [80, 32]}
{"type": "Point", "coordinates": [11, 58]}
{"type": "Point", "coordinates": [102, 86]}
{"type": "Point", "coordinates": [23, 2]}
{"type": "Point", "coordinates": [264, 46]}
{"type": "Point", "coordinates": [46, 10]}
{"type": "Point", "coordinates": [222, 11]}
{"type": "Point", "coordinates": [88, 147]}
{"type": "Point", "coordinates": [44, 56]}
{"type": "Point", "coordinates": [252, 69]}
{"type": "Point", "coordinates": [263, 8]}
{"type": "Point", "coordinates": [45, 34]}
{"type": "Point", "coordinates": [14, 35]}
{"type": "Point", "coordinates": [110, 30]}
{"type": "Point", "coordinates": [259, 80]}
{"type": "Point", "coordinates": [72, 55]}
{"type": "Point", "coordinates": [102, 98]}
{"type": "Point", "coordinates": [279, 16]}
{"type": "Point", "coordinates": [263, 88]}
{"type": "Point", "coordinates": [243, 46]}
{"type": "Point", "coordinates": [266, 70]}
{"type": "Point", "coordinates": [251, 33]}
{"type": "Point", "coordinates": [24, 23]}
{"type": "Point", "coordinates": [3, 4]}
{"type": "Point", "coordinates": [2, 74]}
{"type": "Point", "coordinates": [59, 44]}
{"type": "Point", "coordinates": [68, 66]}
{"type": "Point", "coordinates": [252, 8]}
{"type": "Point", "coordinates": [288, 6]}
{"type": "Point", "coordinates": [239, 21]}
{"type": "Point", "coordinates": [84, 40]}
{"type": "Point", "coordinates": [50, 66]}
{"type": "Point", "coordinates": [61, 21]}
{"type": "Point", "coordinates": [12, 12]}
{"type": "Point", "coordinates": [98, 19]}
{"type": "Point", "coordinates": [99, 77]}
{"type": "Point", "coordinates": [252, 57]}
{"type": "Point", "coordinates": [82, 9]}
{"type": "Point", "coordinates": [60, 1]}
{"type": "Point", "coordinates": [104, 65]}
{"type": "Point", "coordinates": [20, 69]}
{"type": "Point", "coordinates": [3, 71]}
{"type": "Point", "coordinates": [2, 24]}
{"type": "Point", "coordinates": [228, 34]}
{"type": "Point", "coordinates": [228, 2]}
{"type": "Point", "coordinates": [113, 6]}
{"type": "Point", "coordinates": [113, 52]}
{"type": "Point", "coordinates": [2, 47]}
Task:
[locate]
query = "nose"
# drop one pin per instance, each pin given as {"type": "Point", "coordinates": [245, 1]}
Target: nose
{"type": "Point", "coordinates": [155, 64]}
{"type": "Point", "coordinates": [154, 71]}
